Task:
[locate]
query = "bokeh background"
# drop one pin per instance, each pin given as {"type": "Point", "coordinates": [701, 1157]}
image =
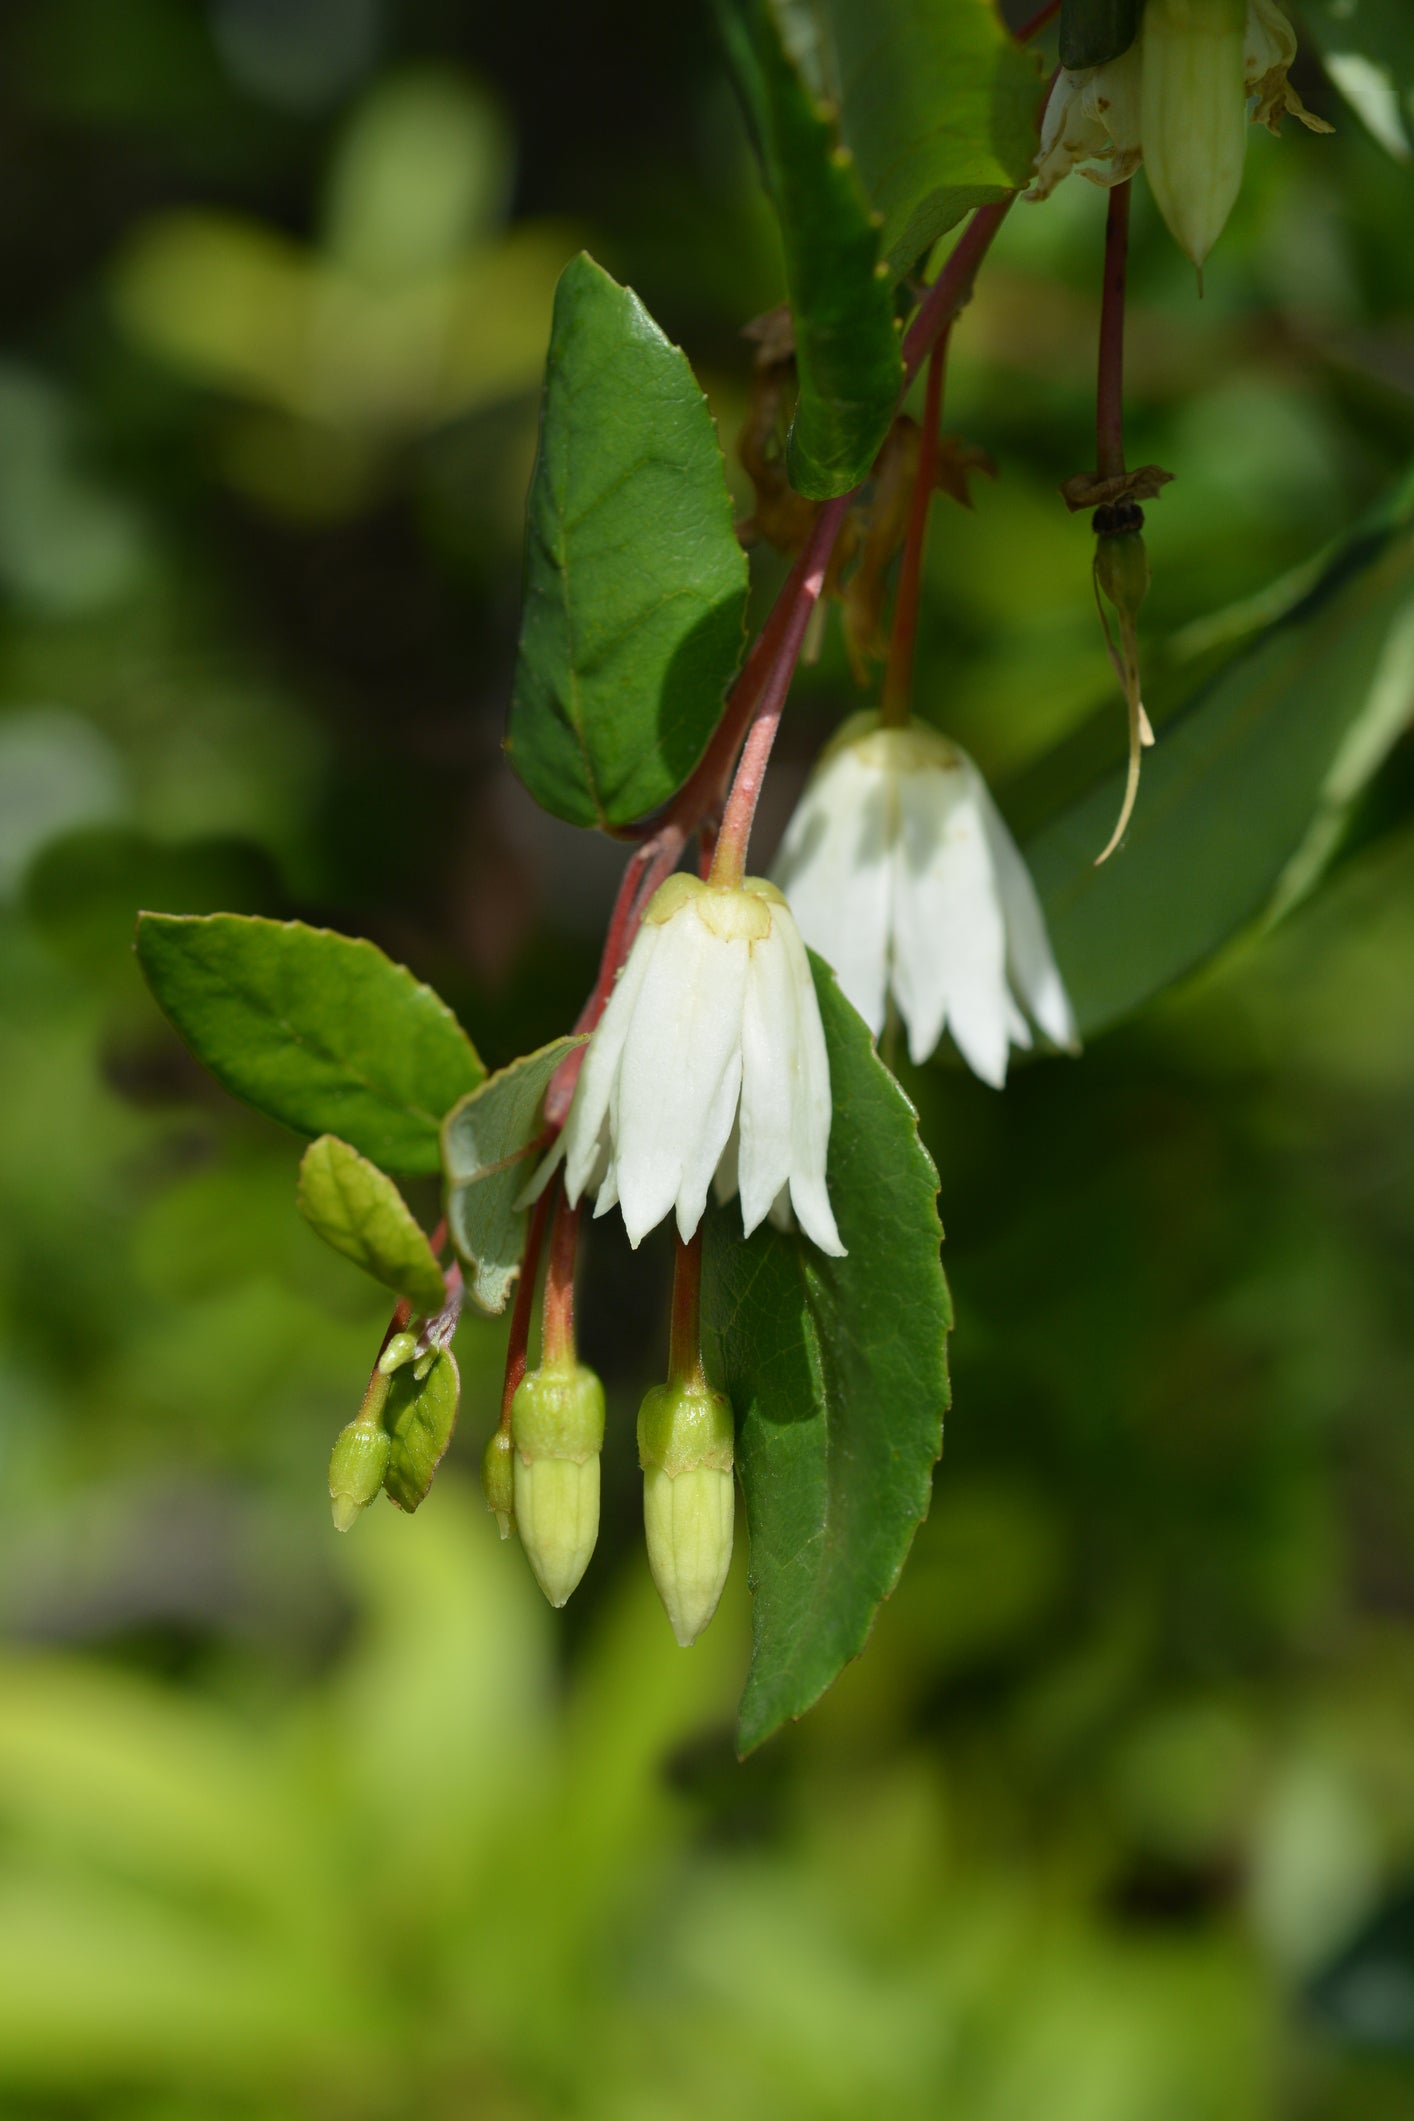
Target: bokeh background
{"type": "Point", "coordinates": [1115, 1818]}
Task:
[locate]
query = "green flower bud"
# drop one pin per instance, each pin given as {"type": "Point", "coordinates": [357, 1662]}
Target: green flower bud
{"type": "Point", "coordinates": [356, 1468]}
{"type": "Point", "coordinates": [498, 1479]}
{"type": "Point", "coordinates": [1121, 562]}
{"type": "Point", "coordinates": [685, 1440]}
{"type": "Point", "coordinates": [1193, 115]}
{"type": "Point", "coordinates": [557, 1428]}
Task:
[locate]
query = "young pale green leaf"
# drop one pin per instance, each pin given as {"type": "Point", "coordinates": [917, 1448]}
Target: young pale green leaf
{"type": "Point", "coordinates": [1368, 51]}
{"type": "Point", "coordinates": [846, 338]}
{"type": "Point", "coordinates": [488, 1143]}
{"type": "Point", "coordinates": [320, 1031]}
{"type": "Point", "coordinates": [939, 105]}
{"type": "Point", "coordinates": [635, 582]}
{"type": "Point", "coordinates": [420, 1416]}
{"type": "Point", "coordinates": [358, 1210]}
{"type": "Point", "coordinates": [1244, 796]}
{"type": "Point", "coordinates": [837, 1372]}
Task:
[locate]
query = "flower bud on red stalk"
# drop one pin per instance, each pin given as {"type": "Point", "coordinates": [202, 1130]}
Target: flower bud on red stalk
{"type": "Point", "coordinates": [557, 1429]}
{"type": "Point", "coordinates": [685, 1445]}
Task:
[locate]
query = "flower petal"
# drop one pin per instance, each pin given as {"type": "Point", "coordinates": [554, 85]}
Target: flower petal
{"type": "Point", "coordinates": [1033, 967]}
{"type": "Point", "coordinates": [949, 937]}
{"type": "Point", "coordinates": [584, 1128]}
{"type": "Point", "coordinates": [770, 1076]}
{"type": "Point", "coordinates": [671, 1111]}
{"type": "Point", "coordinates": [814, 1104]}
{"type": "Point", "coordinates": [834, 868]}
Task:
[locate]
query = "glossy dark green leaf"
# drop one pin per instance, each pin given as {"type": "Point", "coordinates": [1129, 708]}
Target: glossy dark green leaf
{"type": "Point", "coordinates": [420, 1416]}
{"type": "Point", "coordinates": [1368, 51]}
{"type": "Point", "coordinates": [939, 105]}
{"type": "Point", "coordinates": [358, 1210]}
{"type": "Point", "coordinates": [320, 1031]}
{"type": "Point", "coordinates": [1243, 797]}
{"type": "Point", "coordinates": [846, 338]}
{"type": "Point", "coordinates": [837, 1371]}
{"type": "Point", "coordinates": [635, 582]}
{"type": "Point", "coordinates": [488, 1153]}
{"type": "Point", "coordinates": [1092, 31]}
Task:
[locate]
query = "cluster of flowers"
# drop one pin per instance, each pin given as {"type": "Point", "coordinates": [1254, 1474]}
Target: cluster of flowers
{"type": "Point", "coordinates": [709, 1069]}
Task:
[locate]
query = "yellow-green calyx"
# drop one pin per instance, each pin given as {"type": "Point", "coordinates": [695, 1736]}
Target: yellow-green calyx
{"type": "Point", "coordinates": [733, 912]}
{"type": "Point", "coordinates": [356, 1468]}
{"type": "Point", "coordinates": [685, 1447]}
{"type": "Point", "coordinates": [1193, 115]}
{"type": "Point", "coordinates": [498, 1480]}
{"type": "Point", "coordinates": [557, 1429]}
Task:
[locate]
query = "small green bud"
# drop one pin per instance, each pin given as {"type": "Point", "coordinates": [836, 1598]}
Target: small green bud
{"type": "Point", "coordinates": [557, 1429]}
{"type": "Point", "coordinates": [498, 1479]}
{"type": "Point", "coordinates": [400, 1349]}
{"type": "Point", "coordinates": [685, 1447]}
{"type": "Point", "coordinates": [1193, 115]}
{"type": "Point", "coordinates": [1121, 564]}
{"type": "Point", "coordinates": [356, 1468]}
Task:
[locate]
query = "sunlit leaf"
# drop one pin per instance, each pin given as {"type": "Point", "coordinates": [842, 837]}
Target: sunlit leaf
{"type": "Point", "coordinates": [837, 1371]}
{"type": "Point", "coordinates": [635, 583]}
{"type": "Point", "coordinates": [1368, 51]}
{"type": "Point", "coordinates": [939, 105]}
{"type": "Point", "coordinates": [358, 1210]}
{"type": "Point", "coordinates": [320, 1031]}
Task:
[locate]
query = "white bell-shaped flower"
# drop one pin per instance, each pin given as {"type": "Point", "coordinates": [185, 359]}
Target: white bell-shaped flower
{"type": "Point", "coordinates": [902, 874]}
{"type": "Point", "coordinates": [710, 1053]}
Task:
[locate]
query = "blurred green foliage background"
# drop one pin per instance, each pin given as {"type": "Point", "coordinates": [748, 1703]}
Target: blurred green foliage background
{"type": "Point", "coordinates": [1115, 1819]}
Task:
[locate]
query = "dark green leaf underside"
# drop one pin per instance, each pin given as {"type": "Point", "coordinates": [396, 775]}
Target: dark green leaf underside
{"type": "Point", "coordinates": [846, 339]}
{"type": "Point", "coordinates": [487, 1155]}
{"type": "Point", "coordinates": [1243, 796]}
{"type": "Point", "coordinates": [635, 583]}
{"type": "Point", "coordinates": [837, 1371]}
{"type": "Point", "coordinates": [320, 1031]}
{"type": "Point", "coordinates": [358, 1210]}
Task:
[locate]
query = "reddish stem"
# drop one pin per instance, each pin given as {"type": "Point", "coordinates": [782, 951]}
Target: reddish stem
{"type": "Point", "coordinates": [951, 292]}
{"type": "Point", "coordinates": [1109, 393]}
{"type": "Point", "coordinates": [685, 1345]}
{"type": "Point", "coordinates": [1038, 22]}
{"type": "Point", "coordinates": [729, 859]}
{"type": "Point", "coordinates": [557, 1316]}
{"type": "Point", "coordinates": [898, 672]}
{"type": "Point", "coordinates": [519, 1342]}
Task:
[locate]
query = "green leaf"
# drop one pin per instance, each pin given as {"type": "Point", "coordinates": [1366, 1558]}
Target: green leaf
{"type": "Point", "coordinates": [487, 1145]}
{"type": "Point", "coordinates": [1368, 51]}
{"type": "Point", "coordinates": [320, 1031]}
{"type": "Point", "coordinates": [358, 1210]}
{"type": "Point", "coordinates": [1244, 796]}
{"type": "Point", "coordinates": [837, 1371]}
{"type": "Point", "coordinates": [846, 336]}
{"type": "Point", "coordinates": [939, 105]}
{"type": "Point", "coordinates": [420, 1417]}
{"type": "Point", "coordinates": [635, 583]}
